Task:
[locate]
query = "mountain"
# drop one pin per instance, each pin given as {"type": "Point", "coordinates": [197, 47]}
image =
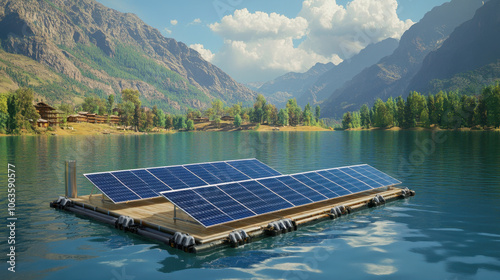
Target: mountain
{"type": "Point", "coordinates": [90, 49]}
{"type": "Point", "coordinates": [392, 74]}
{"type": "Point", "coordinates": [471, 51]}
{"type": "Point", "coordinates": [292, 84]}
{"type": "Point", "coordinates": [333, 79]}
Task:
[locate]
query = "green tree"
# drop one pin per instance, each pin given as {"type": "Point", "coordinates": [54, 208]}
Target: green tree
{"type": "Point", "coordinates": [26, 112]}
{"type": "Point", "coordinates": [424, 118]}
{"type": "Point", "coordinates": [365, 116]}
{"type": "Point", "coordinates": [294, 112]}
{"type": "Point", "coordinates": [4, 113]}
{"type": "Point", "coordinates": [111, 103]}
{"type": "Point", "coordinates": [491, 95]}
{"type": "Point", "coordinates": [307, 116]}
{"type": "Point", "coordinates": [190, 125]}
{"type": "Point", "coordinates": [168, 122]}
{"type": "Point", "coordinates": [259, 114]}
{"type": "Point", "coordinates": [12, 109]}
{"type": "Point", "coordinates": [126, 113]}
{"type": "Point", "coordinates": [283, 117]}
{"type": "Point", "coordinates": [347, 120]}
{"type": "Point", "coordinates": [132, 96]}
{"type": "Point", "coordinates": [237, 120]}
{"type": "Point", "coordinates": [217, 121]}
{"type": "Point", "coordinates": [158, 117]}
{"type": "Point", "coordinates": [317, 113]}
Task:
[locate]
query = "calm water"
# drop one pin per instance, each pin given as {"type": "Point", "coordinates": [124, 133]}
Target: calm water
{"type": "Point", "coordinates": [450, 230]}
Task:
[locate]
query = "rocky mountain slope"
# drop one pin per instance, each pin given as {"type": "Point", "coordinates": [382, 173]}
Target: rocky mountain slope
{"type": "Point", "coordinates": [473, 45]}
{"type": "Point", "coordinates": [97, 50]}
{"type": "Point", "coordinates": [392, 74]}
{"type": "Point", "coordinates": [335, 78]}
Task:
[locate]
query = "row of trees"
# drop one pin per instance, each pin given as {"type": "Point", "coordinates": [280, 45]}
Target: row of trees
{"type": "Point", "coordinates": [446, 110]}
{"type": "Point", "coordinates": [262, 112]}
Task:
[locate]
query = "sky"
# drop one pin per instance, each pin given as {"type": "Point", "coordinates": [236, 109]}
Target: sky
{"type": "Point", "coordinates": [259, 40]}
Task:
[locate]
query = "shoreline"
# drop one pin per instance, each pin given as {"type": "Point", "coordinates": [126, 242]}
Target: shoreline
{"type": "Point", "coordinates": [88, 129]}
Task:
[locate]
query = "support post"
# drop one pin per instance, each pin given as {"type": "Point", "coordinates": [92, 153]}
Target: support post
{"type": "Point", "coordinates": [70, 176]}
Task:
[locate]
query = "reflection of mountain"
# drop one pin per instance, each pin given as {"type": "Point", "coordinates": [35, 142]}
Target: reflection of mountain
{"type": "Point", "coordinates": [68, 49]}
{"type": "Point", "coordinates": [391, 75]}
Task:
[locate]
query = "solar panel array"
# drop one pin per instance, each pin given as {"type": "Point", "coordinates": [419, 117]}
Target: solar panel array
{"type": "Point", "coordinates": [222, 203]}
{"type": "Point", "coordinates": [137, 184]}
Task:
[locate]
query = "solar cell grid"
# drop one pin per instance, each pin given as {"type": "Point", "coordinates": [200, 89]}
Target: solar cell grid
{"type": "Point", "coordinates": [109, 185]}
{"type": "Point", "coordinates": [135, 184]}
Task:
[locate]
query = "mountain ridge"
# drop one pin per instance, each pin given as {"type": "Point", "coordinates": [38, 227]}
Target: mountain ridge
{"type": "Point", "coordinates": [80, 38]}
{"type": "Point", "coordinates": [392, 74]}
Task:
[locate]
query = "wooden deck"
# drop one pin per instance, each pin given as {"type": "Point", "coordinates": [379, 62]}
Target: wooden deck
{"type": "Point", "coordinates": [158, 213]}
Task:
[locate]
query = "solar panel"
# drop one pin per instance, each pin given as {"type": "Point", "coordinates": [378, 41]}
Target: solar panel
{"type": "Point", "coordinates": [130, 185]}
{"type": "Point", "coordinates": [113, 188]}
{"type": "Point", "coordinates": [239, 200]}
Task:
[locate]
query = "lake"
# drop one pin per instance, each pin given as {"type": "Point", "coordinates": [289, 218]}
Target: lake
{"type": "Point", "coordinates": [449, 230]}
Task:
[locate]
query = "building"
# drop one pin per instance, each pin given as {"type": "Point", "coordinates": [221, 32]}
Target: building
{"type": "Point", "coordinates": [114, 120]}
{"type": "Point", "coordinates": [78, 118]}
{"type": "Point", "coordinates": [227, 118]}
{"type": "Point", "coordinates": [200, 120]}
{"type": "Point", "coordinates": [49, 114]}
{"type": "Point", "coordinates": [42, 123]}
{"type": "Point", "coordinates": [91, 118]}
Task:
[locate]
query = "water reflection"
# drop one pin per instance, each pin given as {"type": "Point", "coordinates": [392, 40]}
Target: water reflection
{"type": "Point", "coordinates": [448, 230]}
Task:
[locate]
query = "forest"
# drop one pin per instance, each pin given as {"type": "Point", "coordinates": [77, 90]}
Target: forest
{"type": "Point", "coordinates": [447, 110]}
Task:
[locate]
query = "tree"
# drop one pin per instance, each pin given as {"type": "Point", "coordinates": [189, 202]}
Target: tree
{"type": "Point", "coordinates": [26, 114]}
{"type": "Point", "coordinates": [217, 109]}
{"type": "Point", "coordinates": [110, 104]}
{"type": "Point", "coordinates": [365, 116]}
{"type": "Point", "coordinates": [190, 125]}
{"type": "Point", "coordinates": [347, 120]}
{"type": "Point", "coordinates": [400, 115]}
{"type": "Point", "coordinates": [127, 111]}
{"type": "Point", "coordinates": [237, 120]}
{"type": "Point", "coordinates": [217, 121]}
{"type": "Point", "coordinates": [271, 114]}
{"type": "Point", "coordinates": [158, 117]}
{"type": "Point", "coordinates": [491, 95]}
{"type": "Point", "coordinates": [307, 116]}
{"type": "Point", "coordinates": [283, 117]}
{"type": "Point", "coordinates": [168, 122]}
{"type": "Point", "coordinates": [4, 113]}
{"type": "Point", "coordinates": [294, 112]}
{"type": "Point", "coordinates": [317, 113]}
{"type": "Point", "coordinates": [424, 118]}
{"type": "Point", "coordinates": [12, 125]}
{"type": "Point", "coordinates": [132, 96]}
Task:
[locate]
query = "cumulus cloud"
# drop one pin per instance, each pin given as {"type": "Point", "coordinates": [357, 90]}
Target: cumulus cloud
{"type": "Point", "coordinates": [258, 46]}
{"type": "Point", "coordinates": [196, 21]}
{"type": "Point", "coordinates": [205, 53]}
{"type": "Point", "coordinates": [347, 30]}
{"type": "Point", "coordinates": [167, 31]}
{"type": "Point", "coordinates": [174, 22]}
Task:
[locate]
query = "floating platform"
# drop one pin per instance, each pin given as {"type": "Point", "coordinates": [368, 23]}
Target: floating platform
{"type": "Point", "coordinates": [159, 219]}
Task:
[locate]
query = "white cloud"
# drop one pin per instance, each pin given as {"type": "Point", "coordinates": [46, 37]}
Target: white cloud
{"type": "Point", "coordinates": [205, 53]}
{"type": "Point", "coordinates": [196, 21]}
{"type": "Point", "coordinates": [244, 25]}
{"type": "Point", "coordinates": [174, 22]}
{"type": "Point", "coordinates": [260, 46]}
{"type": "Point", "coordinates": [347, 30]}
{"type": "Point", "coordinates": [167, 31]}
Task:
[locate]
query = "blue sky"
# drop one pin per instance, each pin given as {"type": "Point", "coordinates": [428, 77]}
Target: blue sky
{"type": "Point", "coordinates": [249, 56]}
